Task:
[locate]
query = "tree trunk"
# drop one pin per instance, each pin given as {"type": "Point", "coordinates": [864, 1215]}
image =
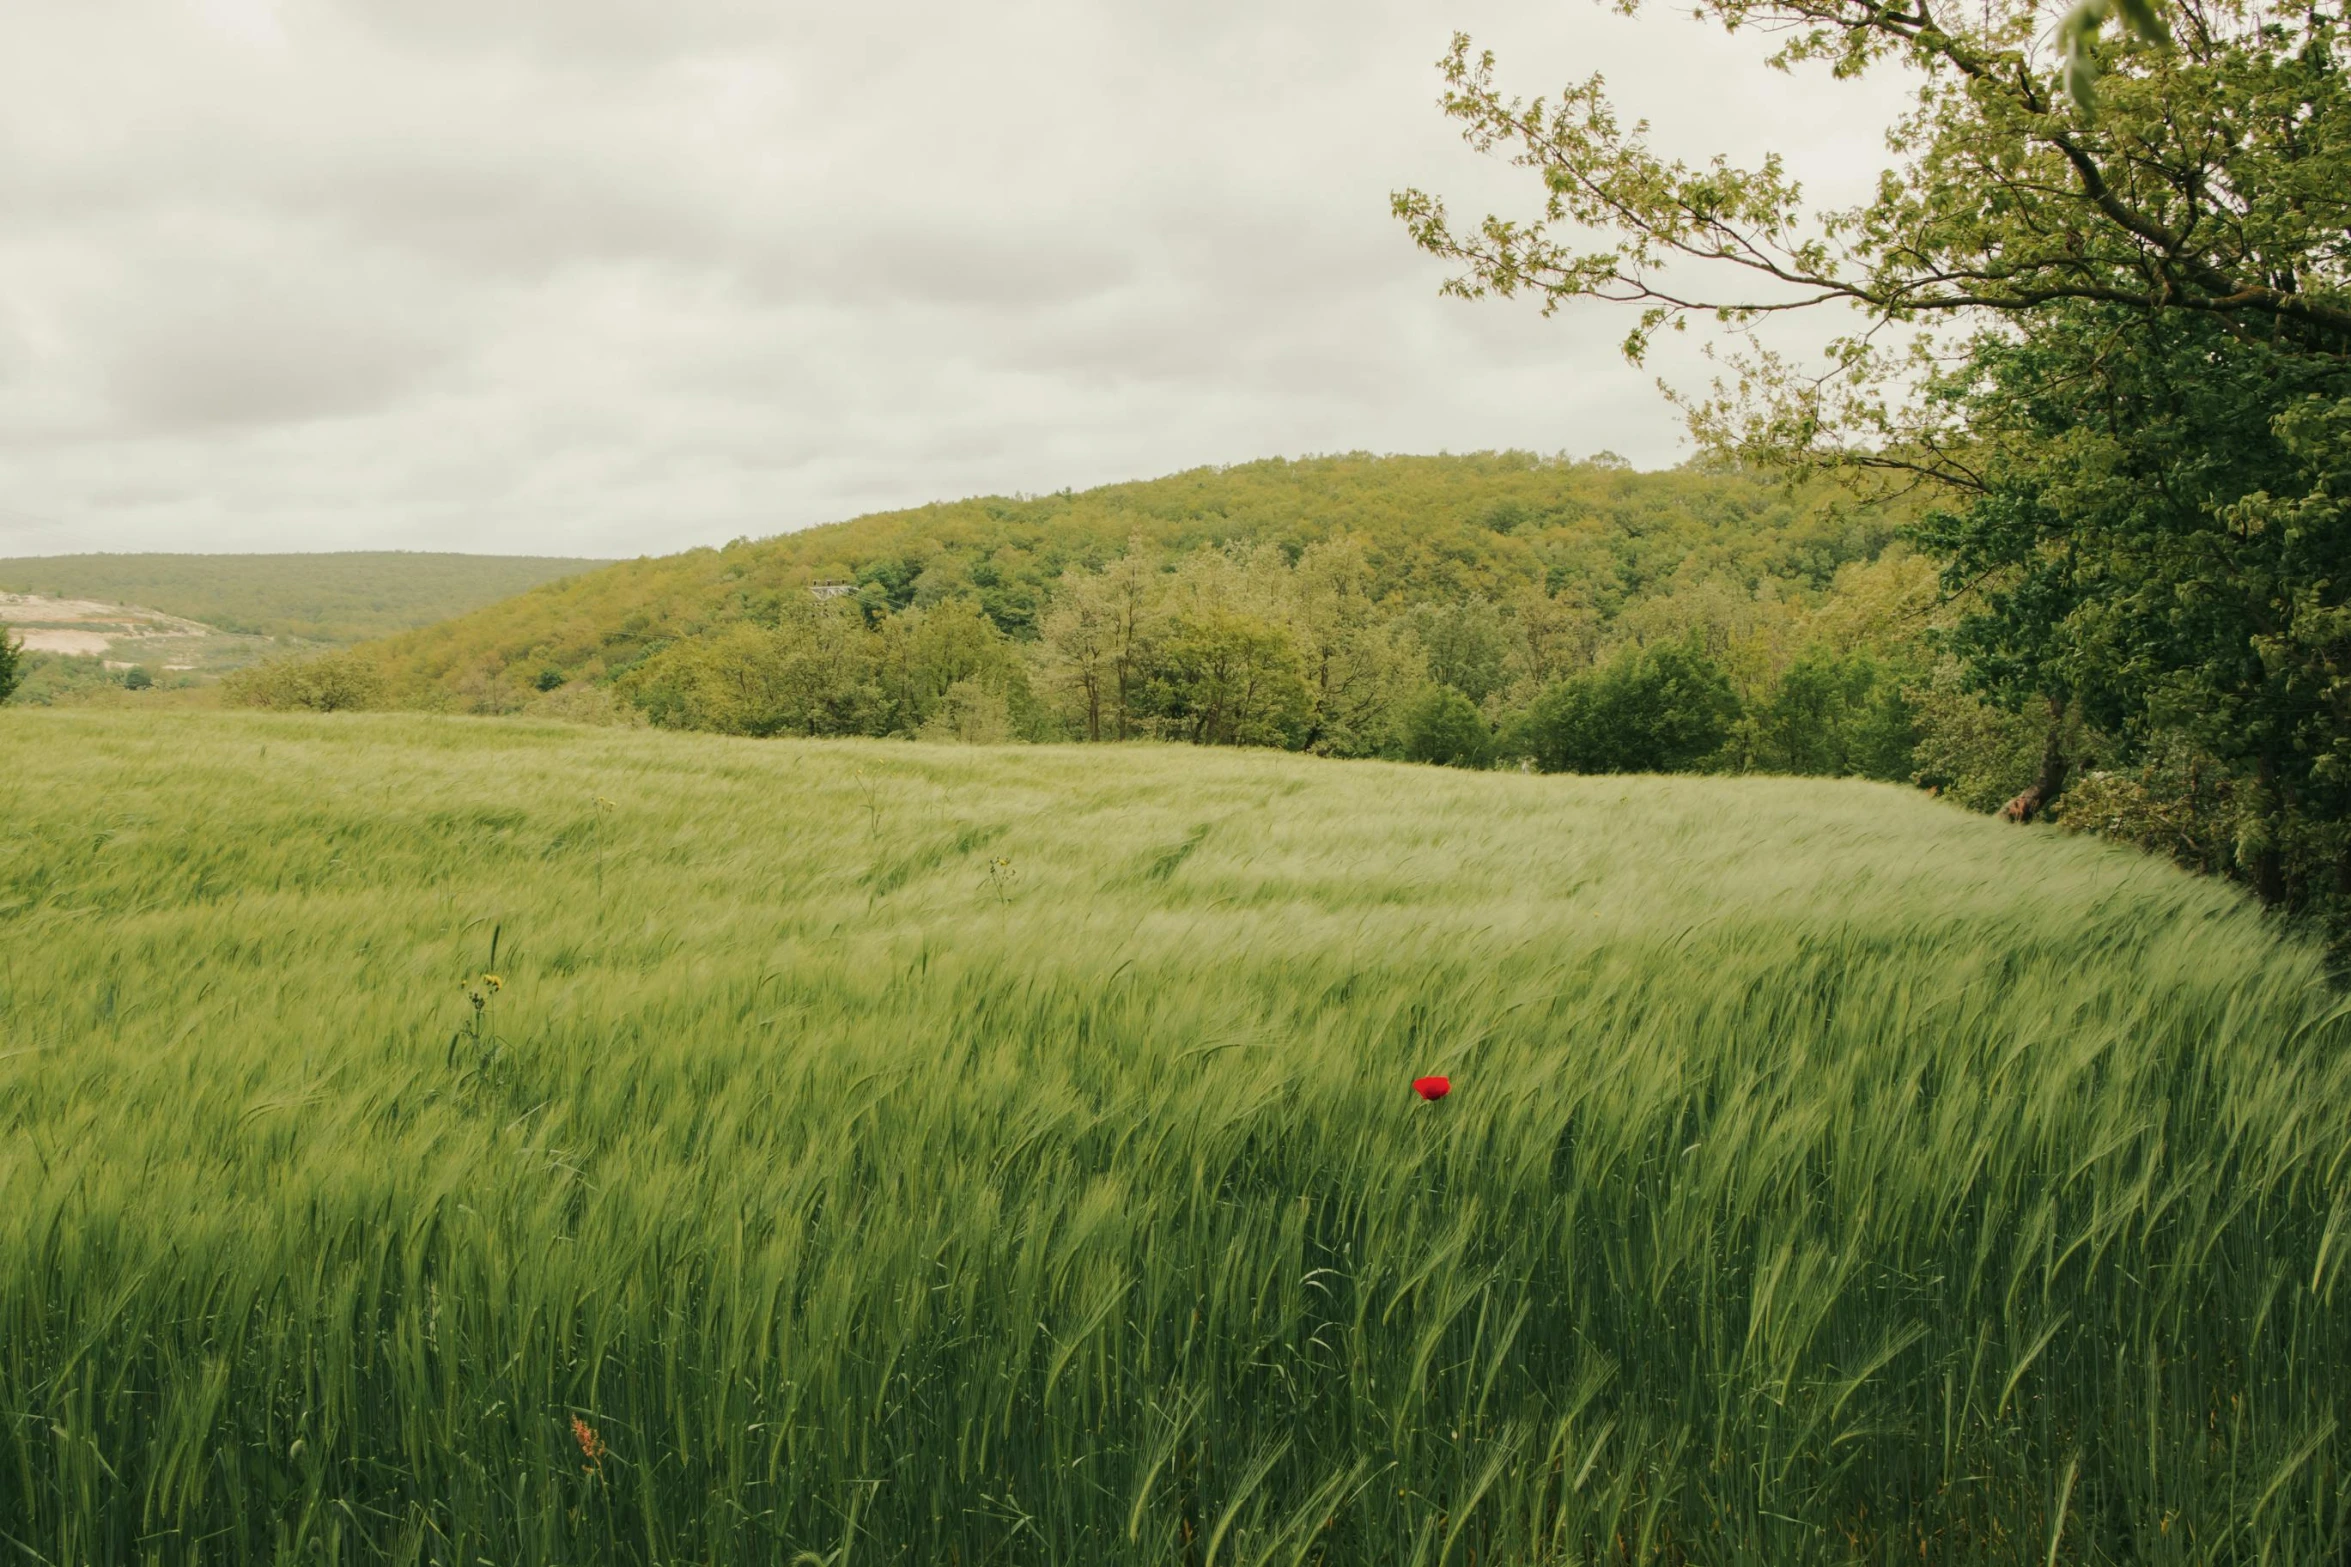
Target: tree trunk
{"type": "Point", "coordinates": [2267, 873]}
{"type": "Point", "coordinates": [2050, 782]}
{"type": "Point", "coordinates": [2263, 861]}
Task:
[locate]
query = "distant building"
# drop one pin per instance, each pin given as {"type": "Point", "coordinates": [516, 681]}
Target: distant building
{"type": "Point", "coordinates": [832, 590]}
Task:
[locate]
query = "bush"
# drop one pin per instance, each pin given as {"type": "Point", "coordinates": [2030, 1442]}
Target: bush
{"type": "Point", "coordinates": [1445, 727]}
{"type": "Point", "coordinates": [136, 678]}
{"type": "Point", "coordinates": [970, 712]}
{"type": "Point", "coordinates": [579, 702]}
{"type": "Point", "coordinates": [11, 664]}
{"type": "Point", "coordinates": [330, 683]}
{"type": "Point", "coordinates": [1661, 709]}
{"type": "Point", "coordinates": [1969, 750]}
{"type": "Point", "coordinates": [57, 679]}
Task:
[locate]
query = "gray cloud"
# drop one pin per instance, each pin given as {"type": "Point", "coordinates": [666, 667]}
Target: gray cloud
{"type": "Point", "coordinates": [628, 275]}
{"type": "Point", "coordinates": [263, 330]}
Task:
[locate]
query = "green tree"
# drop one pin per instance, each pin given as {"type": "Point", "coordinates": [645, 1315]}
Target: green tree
{"type": "Point", "coordinates": [2159, 527]}
{"type": "Point", "coordinates": [2135, 437]}
{"type": "Point", "coordinates": [1445, 727]}
{"type": "Point", "coordinates": [1968, 749]}
{"type": "Point", "coordinates": [1661, 709]}
{"type": "Point", "coordinates": [952, 644]}
{"type": "Point", "coordinates": [328, 683]}
{"type": "Point", "coordinates": [730, 683]}
{"type": "Point", "coordinates": [1224, 677]}
{"type": "Point", "coordinates": [1467, 645]}
{"type": "Point", "coordinates": [972, 711]}
{"type": "Point", "coordinates": [1358, 657]}
{"type": "Point", "coordinates": [11, 664]}
{"type": "Point", "coordinates": [814, 673]}
{"type": "Point", "coordinates": [1096, 638]}
{"type": "Point", "coordinates": [2212, 182]}
{"type": "Point", "coordinates": [1835, 714]}
{"type": "Point", "coordinates": [1549, 638]}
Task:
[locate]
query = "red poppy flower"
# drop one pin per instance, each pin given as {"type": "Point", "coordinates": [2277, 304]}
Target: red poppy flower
{"type": "Point", "coordinates": [1432, 1087]}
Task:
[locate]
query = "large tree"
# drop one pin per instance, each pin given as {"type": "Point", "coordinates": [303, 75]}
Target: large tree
{"type": "Point", "coordinates": [2214, 180]}
{"type": "Point", "coordinates": [2159, 528]}
{"type": "Point", "coordinates": [2113, 342]}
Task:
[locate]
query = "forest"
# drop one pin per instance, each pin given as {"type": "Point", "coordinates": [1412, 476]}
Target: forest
{"type": "Point", "coordinates": [1244, 645]}
{"type": "Point", "coordinates": [1494, 609]}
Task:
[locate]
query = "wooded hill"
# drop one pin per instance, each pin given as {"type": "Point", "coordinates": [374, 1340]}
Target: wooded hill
{"type": "Point", "coordinates": [1433, 530]}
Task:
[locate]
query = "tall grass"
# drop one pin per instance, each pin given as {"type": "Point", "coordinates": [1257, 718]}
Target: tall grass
{"type": "Point", "coordinates": [1829, 1176]}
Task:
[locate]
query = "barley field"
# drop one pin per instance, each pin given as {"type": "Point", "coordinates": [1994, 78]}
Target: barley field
{"type": "Point", "coordinates": [876, 1153]}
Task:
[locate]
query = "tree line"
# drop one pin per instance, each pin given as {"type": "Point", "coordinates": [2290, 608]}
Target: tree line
{"type": "Point", "coordinates": [1255, 645]}
{"type": "Point", "coordinates": [1433, 529]}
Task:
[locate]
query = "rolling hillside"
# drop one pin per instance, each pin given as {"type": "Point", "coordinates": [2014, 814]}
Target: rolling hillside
{"type": "Point", "coordinates": [430, 1139]}
{"type": "Point", "coordinates": [330, 599]}
{"type": "Point", "coordinates": [1437, 528]}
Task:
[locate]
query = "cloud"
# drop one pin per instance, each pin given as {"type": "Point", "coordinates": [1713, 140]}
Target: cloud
{"type": "Point", "coordinates": [614, 276]}
{"type": "Point", "coordinates": [255, 329]}
{"type": "Point", "coordinates": [253, 22]}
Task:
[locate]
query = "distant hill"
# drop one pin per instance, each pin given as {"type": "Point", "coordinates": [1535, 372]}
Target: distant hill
{"type": "Point", "coordinates": [329, 598]}
{"type": "Point", "coordinates": [1436, 528]}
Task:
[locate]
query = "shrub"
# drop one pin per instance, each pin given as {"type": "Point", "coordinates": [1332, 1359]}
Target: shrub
{"type": "Point", "coordinates": [136, 678]}
{"type": "Point", "coordinates": [11, 664]}
{"type": "Point", "coordinates": [1445, 727]}
{"type": "Point", "coordinates": [1969, 750]}
{"type": "Point", "coordinates": [54, 679]}
{"type": "Point", "coordinates": [971, 712]}
{"type": "Point", "coordinates": [580, 702]}
{"type": "Point", "coordinates": [1661, 709]}
{"type": "Point", "coordinates": [329, 683]}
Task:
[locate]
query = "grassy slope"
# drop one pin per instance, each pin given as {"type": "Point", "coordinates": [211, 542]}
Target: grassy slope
{"type": "Point", "coordinates": [333, 598]}
{"type": "Point", "coordinates": [1832, 1175]}
{"type": "Point", "coordinates": [1436, 527]}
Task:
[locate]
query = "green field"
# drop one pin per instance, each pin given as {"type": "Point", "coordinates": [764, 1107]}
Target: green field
{"type": "Point", "coordinates": [328, 598]}
{"type": "Point", "coordinates": [895, 1153]}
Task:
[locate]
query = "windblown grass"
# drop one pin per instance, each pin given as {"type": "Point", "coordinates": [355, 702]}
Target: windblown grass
{"type": "Point", "coordinates": [1830, 1176]}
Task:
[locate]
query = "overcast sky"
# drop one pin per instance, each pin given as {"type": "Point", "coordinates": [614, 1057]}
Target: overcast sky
{"type": "Point", "coordinates": [604, 277]}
